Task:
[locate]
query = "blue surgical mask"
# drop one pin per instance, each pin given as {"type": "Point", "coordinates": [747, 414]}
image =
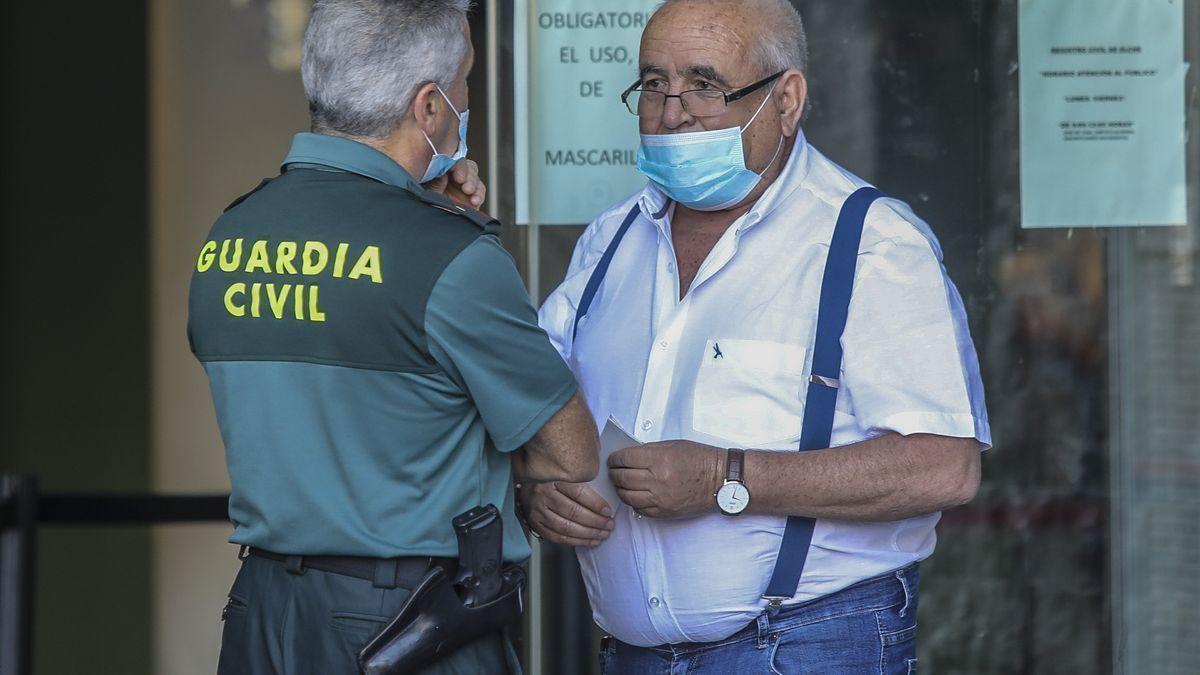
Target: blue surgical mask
{"type": "Point", "coordinates": [441, 163]}
{"type": "Point", "coordinates": [703, 170]}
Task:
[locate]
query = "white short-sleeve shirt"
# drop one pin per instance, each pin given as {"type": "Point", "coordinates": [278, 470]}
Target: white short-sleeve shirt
{"type": "Point", "coordinates": [728, 365]}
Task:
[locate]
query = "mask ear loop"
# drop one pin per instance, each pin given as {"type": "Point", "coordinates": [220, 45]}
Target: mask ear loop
{"type": "Point", "coordinates": [459, 116]}
{"type": "Point", "coordinates": [755, 115]}
{"type": "Point", "coordinates": [774, 156]}
{"type": "Point", "coordinates": [752, 118]}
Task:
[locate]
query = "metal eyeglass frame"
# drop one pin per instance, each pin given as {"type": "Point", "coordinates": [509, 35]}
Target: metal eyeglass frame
{"type": "Point", "coordinates": [729, 98]}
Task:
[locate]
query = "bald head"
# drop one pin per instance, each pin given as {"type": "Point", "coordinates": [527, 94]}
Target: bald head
{"type": "Point", "coordinates": [769, 32]}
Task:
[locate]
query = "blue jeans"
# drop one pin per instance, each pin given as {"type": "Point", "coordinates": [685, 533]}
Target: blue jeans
{"type": "Point", "coordinates": [868, 628]}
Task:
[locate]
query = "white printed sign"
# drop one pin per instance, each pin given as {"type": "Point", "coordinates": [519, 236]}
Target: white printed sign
{"type": "Point", "coordinates": [576, 144]}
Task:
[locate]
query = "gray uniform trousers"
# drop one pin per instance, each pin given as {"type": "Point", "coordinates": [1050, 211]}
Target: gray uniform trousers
{"type": "Point", "coordinates": [315, 623]}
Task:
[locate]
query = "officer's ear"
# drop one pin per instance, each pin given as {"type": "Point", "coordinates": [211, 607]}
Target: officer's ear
{"type": "Point", "coordinates": [426, 104]}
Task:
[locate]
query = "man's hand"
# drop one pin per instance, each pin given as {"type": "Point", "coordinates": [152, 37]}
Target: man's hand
{"type": "Point", "coordinates": [462, 184]}
{"type": "Point", "coordinates": [566, 513]}
{"type": "Point", "coordinates": [667, 479]}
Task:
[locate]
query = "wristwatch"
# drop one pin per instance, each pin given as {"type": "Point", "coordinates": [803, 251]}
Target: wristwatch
{"type": "Point", "coordinates": [733, 497]}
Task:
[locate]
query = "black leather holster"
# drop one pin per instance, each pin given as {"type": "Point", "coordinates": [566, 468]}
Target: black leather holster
{"type": "Point", "coordinates": [444, 613]}
{"type": "Point", "coordinates": [434, 622]}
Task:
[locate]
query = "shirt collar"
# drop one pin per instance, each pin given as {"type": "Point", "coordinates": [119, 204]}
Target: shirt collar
{"type": "Point", "coordinates": [656, 204]}
{"type": "Point", "coordinates": [349, 155]}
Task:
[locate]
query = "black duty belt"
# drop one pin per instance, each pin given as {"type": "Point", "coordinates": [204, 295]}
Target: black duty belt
{"type": "Point", "coordinates": [383, 572]}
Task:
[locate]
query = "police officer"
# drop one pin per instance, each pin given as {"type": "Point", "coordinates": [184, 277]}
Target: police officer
{"type": "Point", "coordinates": [375, 363]}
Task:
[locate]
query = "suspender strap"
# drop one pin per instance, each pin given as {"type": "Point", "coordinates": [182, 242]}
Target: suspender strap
{"type": "Point", "coordinates": [821, 399]}
{"type": "Point", "coordinates": [598, 274]}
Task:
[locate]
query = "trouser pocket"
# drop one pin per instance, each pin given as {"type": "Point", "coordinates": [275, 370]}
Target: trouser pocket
{"type": "Point", "coordinates": [233, 659]}
{"type": "Point", "coordinates": [898, 628]}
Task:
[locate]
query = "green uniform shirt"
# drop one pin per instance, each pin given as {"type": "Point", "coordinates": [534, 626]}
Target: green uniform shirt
{"type": "Point", "coordinates": [373, 357]}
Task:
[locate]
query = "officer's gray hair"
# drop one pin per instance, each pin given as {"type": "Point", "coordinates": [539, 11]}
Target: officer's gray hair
{"type": "Point", "coordinates": [781, 42]}
{"type": "Point", "coordinates": [364, 60]}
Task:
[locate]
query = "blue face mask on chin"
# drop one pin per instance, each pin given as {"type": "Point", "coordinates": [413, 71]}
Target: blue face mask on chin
{"type": "Point", "coordinates": [703, 170]}
{"type": "Point", "coordinates": [442, 163]}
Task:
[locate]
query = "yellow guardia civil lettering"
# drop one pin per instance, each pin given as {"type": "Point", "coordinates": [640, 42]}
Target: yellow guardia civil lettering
{"type": "Point", "coordinates": [278, 301]}
{"type": "Point", "coordinates": [207, 255]}
{"type": "Point", "coordinates": [230, 261]}
{"type": "Point", "coordinates": [258, 258]}
{"type": "Point", "coordinates": [368, 264]}
{"type": "Point", "coordinates": [285, 254]}
{"type": "Point", "coordinates": [233, 308]}
{"type": "Point", "coordinates": [286, 301]}
{"type": "Point", "coordinates": [316, 256]}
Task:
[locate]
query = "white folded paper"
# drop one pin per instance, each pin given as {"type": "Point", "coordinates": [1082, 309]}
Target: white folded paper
{"type": "Point", "coordinates": [612, 439]}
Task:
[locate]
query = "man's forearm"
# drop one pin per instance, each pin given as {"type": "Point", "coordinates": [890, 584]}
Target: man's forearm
{"type": "Point", "coordinates": [882, 479]}
{"type": "Point", "coordinates": [565, 449]}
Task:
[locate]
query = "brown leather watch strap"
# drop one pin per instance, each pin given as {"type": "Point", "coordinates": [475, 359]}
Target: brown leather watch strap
{"type": "Point", "coordinates": [734, 461]}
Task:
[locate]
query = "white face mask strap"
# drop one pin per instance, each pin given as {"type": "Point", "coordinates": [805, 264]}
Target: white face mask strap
{"type": "Point", "coordinates": [773, 157]}
{"type": "Point", "coordinates": [458, 114]}
{"type": "Point", "coordinates": [781, 137]}
{"type": "Point", "coordinates": [760, 108]}
{"type": "Point", "coordinates": [439, 88]}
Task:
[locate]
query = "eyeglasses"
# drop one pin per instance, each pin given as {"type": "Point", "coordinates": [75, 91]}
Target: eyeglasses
{"type": "Point", "coordinates": [696, 102]}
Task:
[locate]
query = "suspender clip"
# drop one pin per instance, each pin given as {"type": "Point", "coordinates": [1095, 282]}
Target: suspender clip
{"type": "Point", "coordinates": [825, 381]}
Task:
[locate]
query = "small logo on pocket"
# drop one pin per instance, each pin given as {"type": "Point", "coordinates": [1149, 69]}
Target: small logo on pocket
{"type": "Point", "coordinates": [717, 351]}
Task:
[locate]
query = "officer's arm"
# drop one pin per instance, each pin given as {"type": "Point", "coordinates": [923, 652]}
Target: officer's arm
{"type": "Point", "coordinates": [566, 448]}
{"type": "Point", "coordinates": [483, 331]}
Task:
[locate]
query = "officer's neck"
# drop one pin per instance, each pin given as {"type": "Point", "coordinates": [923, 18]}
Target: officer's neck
{"type": "Point", "coordinates": [400, 146]}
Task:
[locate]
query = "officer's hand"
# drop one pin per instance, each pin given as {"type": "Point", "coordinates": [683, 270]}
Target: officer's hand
{"type": "Point", "coordinates": [667, 479]}
{"type": "Point", "coordinates": [463, 184]}
{"type": "Point", "coordinates": [567, 513]}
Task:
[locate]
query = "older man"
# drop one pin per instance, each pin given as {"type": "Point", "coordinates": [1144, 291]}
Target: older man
{"type": "Point", "coordinates": [375, 362]}
{"type": "Point", "coordinates": [755, 299]}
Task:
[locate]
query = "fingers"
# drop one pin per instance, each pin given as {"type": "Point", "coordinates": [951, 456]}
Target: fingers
{"type": "Point", "coordinates": [571, 525]}
{"type": "Point", "coordinates": [633, 458]}
{"type": "Point", "coordinates": [466, 184]}
{"type": "Point", "coordinates": [462, 170]}
{"type": "Point", "coordinates": [631, 479]}
{"type": "Point", "coordinates": [578, 514]}
{"type": "Point", "coordinates": [559, 530]}
{"type": "Point", "coordinates": [557, 517]}
{"type": "Point", "coordinates": [584, 494]}
{"type": "Point", "coordinates": [438, 184]}
{"type": "Point", "coordinates": [641, 501]}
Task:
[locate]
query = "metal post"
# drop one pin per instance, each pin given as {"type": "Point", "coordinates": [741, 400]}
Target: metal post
{"type": "Point", "coordinates": [18, 517]}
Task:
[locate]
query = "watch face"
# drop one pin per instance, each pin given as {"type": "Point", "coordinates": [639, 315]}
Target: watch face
{"type": "Point", "coordinates": [733, 498]}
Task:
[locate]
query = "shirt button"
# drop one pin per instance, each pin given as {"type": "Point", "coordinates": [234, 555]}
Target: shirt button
{"type": "Point", "coordinates": [647, 425]}
{"type": "Point", "coordinates": [671, 267]}
{"type": "Point", "coordinates": [664, 344]}
{"type": "Point", "coordinates": [655, 602]}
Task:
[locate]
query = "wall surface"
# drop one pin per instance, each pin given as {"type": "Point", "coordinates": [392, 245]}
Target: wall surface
{"type": "Point", "coordinates": [222, 119]}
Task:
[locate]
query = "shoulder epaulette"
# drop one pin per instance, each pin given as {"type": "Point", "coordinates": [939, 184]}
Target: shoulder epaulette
{"type": "Point", "coordinates": [443, 203]}
{"type": "Point", "coordinates": [243, 198]}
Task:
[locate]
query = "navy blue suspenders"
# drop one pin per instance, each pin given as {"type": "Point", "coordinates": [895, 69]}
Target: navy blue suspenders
{"type": "Point", "coordinates": [598, 274]}
{"type": "Point", "coordinates": [823, 384]}
{"type": "Point", "coordinates": [836, 287]}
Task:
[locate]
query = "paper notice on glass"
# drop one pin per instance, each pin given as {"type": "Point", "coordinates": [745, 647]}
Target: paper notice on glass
{"type": "Point", "coordinates": [575, 143]}
{"type": "Point", "coordinates": [1103, 135]}
{"type": "Point", "coordinates": [612, 439]}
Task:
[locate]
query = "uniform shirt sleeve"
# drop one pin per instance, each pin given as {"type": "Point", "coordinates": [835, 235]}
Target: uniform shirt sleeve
{"type": "Point", "coordinates": [483, 330]}
{"type": "Point", "coordinates": [909, 365]}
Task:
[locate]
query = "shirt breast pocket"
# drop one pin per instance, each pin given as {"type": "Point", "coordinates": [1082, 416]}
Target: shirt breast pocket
{"type": "Point", "coordinates": [749, 392]}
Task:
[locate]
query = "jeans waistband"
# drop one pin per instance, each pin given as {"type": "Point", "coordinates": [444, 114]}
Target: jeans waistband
{"type": "Point", "coordinates": [897, 588]}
